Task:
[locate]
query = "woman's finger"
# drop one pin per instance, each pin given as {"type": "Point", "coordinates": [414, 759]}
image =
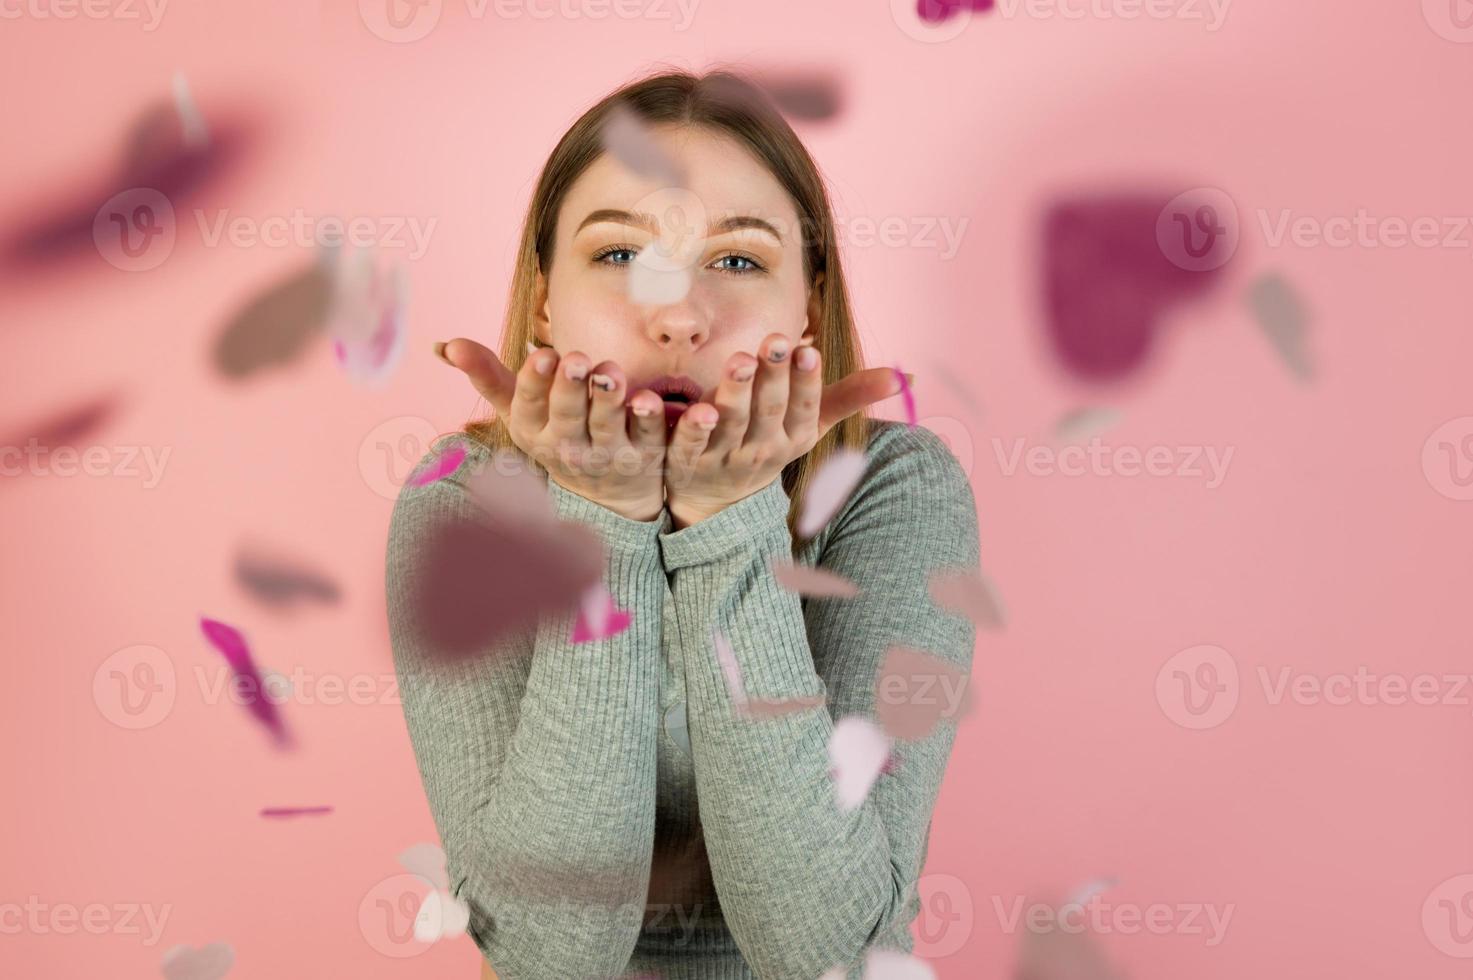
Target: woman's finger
{"type": "Point", "coordinates": [647, 428]}
{"type": "Point", "coordinates": [770, 391]}
{"type": "Point", "coordinates": [688, 442]}
{"type": "Point", "coordinates": [607, 425]}
{"type": "Point", "coordinates": [567, 404]}
{"type": "Point", "coordinates": [806, 393]}
{"type": "Point", "coordinates": [528, 411]}
{"type": "Point", "coordinates": [853, 393]}
{"type": "Point", "coordinates": [733, 401]}
{"type": "Point", "coordinates": [494, 380]}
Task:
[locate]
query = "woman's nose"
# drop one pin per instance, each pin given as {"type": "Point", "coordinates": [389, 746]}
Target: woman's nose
{"type": "Point", "coordinates": [678, 328]}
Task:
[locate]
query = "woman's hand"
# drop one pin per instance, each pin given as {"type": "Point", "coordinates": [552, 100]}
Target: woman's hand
{"type": "Point", "coordinates": [768, 411]}
{"type": "Point", "coordinates": [570, 416]}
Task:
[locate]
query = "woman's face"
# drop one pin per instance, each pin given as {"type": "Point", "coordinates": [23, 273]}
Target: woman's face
{"type": "Point", "coordinates": [747, 276]}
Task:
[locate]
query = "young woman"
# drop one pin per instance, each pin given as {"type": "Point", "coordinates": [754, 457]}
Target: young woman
{"type": "Point", "coordinates": [605, 807]}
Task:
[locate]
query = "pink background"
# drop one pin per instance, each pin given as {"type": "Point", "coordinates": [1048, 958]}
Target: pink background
{"type": "Point", "coordinates": [1329, 545]}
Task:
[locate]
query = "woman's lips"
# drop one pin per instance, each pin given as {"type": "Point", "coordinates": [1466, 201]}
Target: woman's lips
{"type": "Point", "coordinates": [673, 411]}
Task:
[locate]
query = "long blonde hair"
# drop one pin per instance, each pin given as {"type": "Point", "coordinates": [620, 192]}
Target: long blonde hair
{"type": "Point", "coordinates": [725, 102]}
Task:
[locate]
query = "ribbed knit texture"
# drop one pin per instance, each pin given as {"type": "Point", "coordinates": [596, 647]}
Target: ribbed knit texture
{"type": "Point", "coordinates": [555, 784]}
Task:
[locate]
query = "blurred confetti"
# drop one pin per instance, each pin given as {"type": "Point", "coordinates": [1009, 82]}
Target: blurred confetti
{"type": "Point", "coordinates": [1083, 424]}
{"type": "Point", "coordinates": [891, 964]}
{"type": "Point", "coordinates": [428, 862]}
{"type": "Point", "coordinates": [276, 326]}
{"type": "Point", "coordinates": [857, 752]}
{"type": "Point", "coordinates": [971, 595]}
{"type": "Point", "coordinates": [440, 916]}
{"type": "Point", "coordinates": [905, 669]}
{"type": "Point", "coordinates": [295, 811]}
{"type": "Point", "coordinates": [480, 580]}
{"type": "Point", "coordinates": [206, 963]}
{"type": "Point", "coordinates": [280, 581]}
{"type": "Point", "coordinates": [830, 489]}
{"type": "Point", "coordinates": [447, 461]}
{"type": "Point", "coordinates": [1107, 282]}
{"type": "Point", "coordinates": [598, 619]}
{"type": "Point", "coordinates": [68, 428]}
{"type": "Point", "coordinates": [1280, 311]}
{"type": "Point", "coordinates": [809, 96]}
{"type": "Point", "coordinates": [908, 395]}
{"type": "Point", "coordinates": [627, 138]}
{"type": "Point", "coordinates": [811, 581]}
{"type": "Point", "coordinates": [367, 317]}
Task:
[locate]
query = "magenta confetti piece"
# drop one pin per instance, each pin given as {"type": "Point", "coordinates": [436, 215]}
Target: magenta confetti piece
{"type": "Point", "coordinates": [294, 811]}
{"type": "Point", "coordinates": [445, 463]}
{"type": "Point", "coordinates": [811, 581]}
{"type": "Point", "coordinates": [830, 489]}
{"type": "Point", "coordinates": [1108, 281]}
{"type": "Point", "coordinates": [934, 11]}
{"type": "Point", "coordinates": [910, 399]}
{"type": "Point", "coordinates": [599, 619]}
{"type": "Point", "coordinates": [229, 641]}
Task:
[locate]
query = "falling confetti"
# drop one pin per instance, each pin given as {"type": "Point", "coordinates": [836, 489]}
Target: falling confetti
{"type": "Point", "coordinates": [295, 811]}
{"type": "Point", "coordinates": [367, 317]}
{"type": "Point", "coordinates": [206, 963]}
{"type": "Point", "coordinates": [651, 285]}
{"type": "Point", "coordinates": [970, 594]}
{"type": "Point", "coordinates": [891, 964]}
{"type": "Point", "coordinates": [730, 669]}
{"type": "Point", "coordinates": [1280, 312]}
{"type": "Point", "coordinates": [598, 619]}
{"type": "Point", "coordinates": [280, 581]}
{"type": "Point", "coordinates": [808, 96]}
{"type": "Point", "coordinates": [811, 581]}
{"type": "Point", "coordinates": [428, 862]}
{"type": "Point", "coordinates": [629, 140]}
{"type": "Point", "coordinates": [915, 690]}
{"type": "Point", "coordinates": [480, 580]}
{"type": "Point", "coordinates": [440, 916]}
{"type": "Point", "coordinates": [506, 490]}
{"type": "Point", "coordinates": [910, 399]}
{"type": "Point", "coordinates": [958, 387]}
{"type": "Point", "coordinates": [192, 125]}
{"type": "Point", "coordinates": [1090, 889]}
{"type": "Point", "coordinates": [736, 690]}
{"type": "Point", "coordinates": [68, 428]}
{"type": "Point", "coordinates": [447, 461]}
{"type": "Point", "coordinates": [830, 489]}
{"type": "Point", "coordinates": [276, 326]}
{"type": "Point", "coordinates": [229, 641]}
{"type": "Point", "coordinates": [1108, 283]}
{"type": "Point", "coordinates": [857, 752]}
{"type": "Point", "coordinates": [939, 10]}
{"type": "Point", "coordinates": [1083, 424]}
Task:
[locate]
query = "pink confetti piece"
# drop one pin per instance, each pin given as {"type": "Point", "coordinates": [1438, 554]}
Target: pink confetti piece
{"type": "Point", "coordinates": [1280, 312]}
{"type": "Point", "coordinates": [1083, 424]}
{"type": "Point", "coordinates": [732, 671]}
{"type": "Point", "coordinates": [367, 318]}
{"type": "Point", "coordinates": [206, 963]}
{"type": "Point", "coordinates": [428, 862]}
{"type": "Point", "coordinates": [294, 811]}
{"type": "Point", "coordinates": [598, 618]}
{"type": "Point", "coordinates": [506, 490]}
{"type": "Point", "coordinates": [229, 641]}
{"type": "Point", "coordinates": [440, 916]}
{"type": "Point", "coordinates": [280, 581]}
{"type": "Point", "coordinates": [907, 395]}
{"type": "Point", "coordinates": [916, 690]}
{"type": "Point", "coordinates": [627, 138]}
{"type": "Point", "coordinates": [802, 94]}
{"type": "Point", "coordinates": [650, 285]}
{"type": "Point", "coordinates": [811, 581]}
{"type": "Point", "coordinates": [776, 708]}
{"type": "Point", "coordinates": [830, 489]}
{"type": "Point", "coordinates": [891, 964]}
{"type": "Point", "coordinates": [969, 594]}
{"type": "Point", "coordinates": [444, 463]}
{"type": "Point", "coordinates": [857, 752]}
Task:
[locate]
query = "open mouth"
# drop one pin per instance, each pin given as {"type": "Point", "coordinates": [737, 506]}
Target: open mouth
{"type": "Point", "coordinates": [679, 397]}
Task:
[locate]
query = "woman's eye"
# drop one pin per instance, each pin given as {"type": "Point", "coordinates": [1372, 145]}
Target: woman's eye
{"type": "Point", "coordinates": [751, 265]}
{"type": "Point", "coordinates": [739, 265]}
{"type": "Point", "coordinates": [617, 250]}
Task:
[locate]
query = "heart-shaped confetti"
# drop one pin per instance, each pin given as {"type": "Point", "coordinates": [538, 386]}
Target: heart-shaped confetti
{"type": "Point", "coordinates": [857, 752]}
{"type": "Point", "coordinates": [440, 916]}
{"type": "Point", "coordinates": [598, 618]}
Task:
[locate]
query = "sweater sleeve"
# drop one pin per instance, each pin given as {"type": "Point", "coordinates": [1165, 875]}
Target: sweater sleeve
{"type": "Point", "coordinates": [538, 757]}
{"type": "Point", "coordinates": [805, 887]}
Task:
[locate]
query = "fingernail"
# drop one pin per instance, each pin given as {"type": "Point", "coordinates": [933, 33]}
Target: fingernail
{"type": "Point", "coordinates": [440, 352]}
{"type": "Point", "coordinates": [807, 358]}
{"type": "Point", "coordinates": [543, 365]}
{"type": "Point", "coordinates": [603, 382]}
{"type": "Point", "coordinates": [707, 424]}
{"type": "Point", "coordinates": [777, 352]}
{"type": "Point", "coordinates": [642, 410]}
{"type": "Point", "coordinates": [742, 372]}
{"type": "Point", "coordinates": [576, 372]}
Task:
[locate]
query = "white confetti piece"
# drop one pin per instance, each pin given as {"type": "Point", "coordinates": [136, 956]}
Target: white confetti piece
{"type": "Point", "coordinates": [890, 964]}
{"type": "Point", "coordinates": [858, 750]}
{"type": "Point", "coordinates": [629, 140]}
{"type": "Point", "coordinates": [1083, 424]}
{"type": "Point", "coordinates": [428, 862]}
{"type": "Point", "coordinates": [440, 916]}
{"type": "Point", "coordinates": [830, 489]}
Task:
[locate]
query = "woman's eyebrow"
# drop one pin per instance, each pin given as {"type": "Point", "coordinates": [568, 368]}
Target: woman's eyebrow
{"type": "Point", "coordinates": [641, 219]}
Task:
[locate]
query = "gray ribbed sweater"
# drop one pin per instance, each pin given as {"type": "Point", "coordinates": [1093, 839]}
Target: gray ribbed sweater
{"type": "Point", "coordinates": [605, 813]}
